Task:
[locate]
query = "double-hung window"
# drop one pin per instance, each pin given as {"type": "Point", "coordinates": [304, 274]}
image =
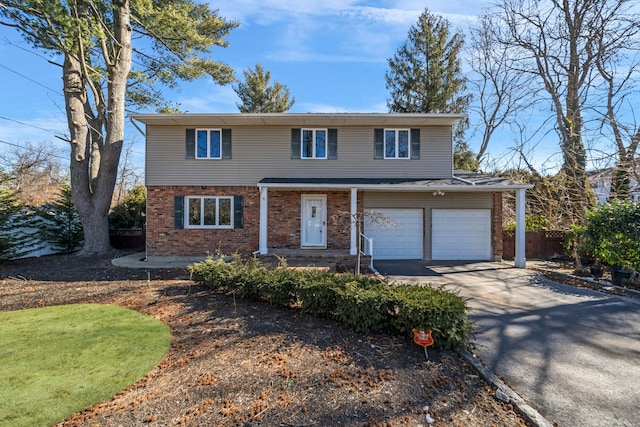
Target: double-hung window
{"type": "Point", "coordinates": [396, 144]}
{"type": "Point", "coordinates": [209, 212]}
{"type": "Point", "coordinates": [208, 143]}
{"type": "Point", "coordinates": [314, 144]}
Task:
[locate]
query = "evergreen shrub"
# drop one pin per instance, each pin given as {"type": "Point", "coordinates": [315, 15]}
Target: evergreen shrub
{"type": "Point", "coordinates": [363, 303]}
{"type": "Point", "coordinates": [611, 233]}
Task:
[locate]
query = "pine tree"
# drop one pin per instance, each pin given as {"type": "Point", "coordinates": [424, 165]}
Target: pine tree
{"type": "Point", "coordinates": [9, 207]}
{"type": "Point", "coordinates": [61, 225]}
{"type": "Point", "coordinates": [131, 213]}
{"type": "Point", "coordinates": [258, 96]}
{"type": "Point", "coordinates": [115, 54]}
{"type": "Point", "coordinates": [424, 76]}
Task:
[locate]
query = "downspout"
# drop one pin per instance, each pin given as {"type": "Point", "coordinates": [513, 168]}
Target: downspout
{"type": "Point", "coordinates": [135, 125]}
{"type": "Point", "coordinates": [466, 181]}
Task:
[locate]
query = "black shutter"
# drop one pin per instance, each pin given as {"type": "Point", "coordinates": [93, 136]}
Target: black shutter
{"type": "Point", "coordinates": [378, 143]}
{"type": "Point", "coordinates": [226, 143]}
{"type": "Point", "coordinates": [295, 142]}
{"type": "Point", "coordinates": [190, 144]}
{"type": "Point", "coordinates": [238, 212]}
{"type": "Point", "coordinates": [415, 143]}
{"type": "Point", "coordinates": [332, 152]}
{"type": "Point", "coordinates": [178, 211]}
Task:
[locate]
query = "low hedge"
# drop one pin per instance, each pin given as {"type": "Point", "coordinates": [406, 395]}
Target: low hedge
{"type": "Point", "coordinates": [364, 303]}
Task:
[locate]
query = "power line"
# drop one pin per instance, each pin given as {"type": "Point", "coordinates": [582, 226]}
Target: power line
{"type": "Point", "coordinates": [30, 79]}
{"type": "Point", "coordinates": [31, 51]}
{"type": "Point", "coordinates": [31, 149]}
{"type": "Point", "coordinates": [35, 127]}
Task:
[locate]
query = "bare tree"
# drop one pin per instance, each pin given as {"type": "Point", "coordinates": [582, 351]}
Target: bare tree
{"type": "Point", "coordinates": [500, 89]}
{"type": "Point", "coordinates": [559, 42]}
{"type": "Point", "coordinates": [619, 69]}
{"type": "Point", "coordinates": [129, 176]}
{"type": "Point", "coordinates": [345, 220]}
{"type": "Point", "coordinates": [36, 172]}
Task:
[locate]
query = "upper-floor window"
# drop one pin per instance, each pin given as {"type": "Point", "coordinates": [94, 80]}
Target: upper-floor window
{"type": "Point", "coordinates": [208, 143]}
{"type": "Point", "coordinates": [396, 144]}
{"type": "Point", "coordinates": [314, 144]}
{"type": "Point", "coordinates": [209, 212]}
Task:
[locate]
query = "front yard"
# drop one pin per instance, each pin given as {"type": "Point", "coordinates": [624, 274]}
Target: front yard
{"type": "Point", "coordinates": [239, 362]}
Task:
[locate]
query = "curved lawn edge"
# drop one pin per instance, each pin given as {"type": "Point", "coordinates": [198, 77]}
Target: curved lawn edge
{"type": "Point", "coordinates": [56, 361]}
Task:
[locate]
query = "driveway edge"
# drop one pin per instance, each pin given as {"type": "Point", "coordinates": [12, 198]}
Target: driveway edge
{"type": "Point", "coordinates": [506, 394]}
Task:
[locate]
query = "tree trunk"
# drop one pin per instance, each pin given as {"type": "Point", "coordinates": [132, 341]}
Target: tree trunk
{"type": "Point", "coordinates": [621, 179]}
{"type": "Point", "coordinates": [92, 203]}
{"type": "Point", "coordinates": [94, 161]}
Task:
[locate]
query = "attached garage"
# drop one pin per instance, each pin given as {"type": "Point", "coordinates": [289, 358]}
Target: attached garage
{"type": "Point", "coordinates": [461, 234]}
{"type": "Point", "coordinates": [402, 240]}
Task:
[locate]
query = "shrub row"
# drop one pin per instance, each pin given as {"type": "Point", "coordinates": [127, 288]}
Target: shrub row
{"type": "Point", "coordinates": [364, 303]}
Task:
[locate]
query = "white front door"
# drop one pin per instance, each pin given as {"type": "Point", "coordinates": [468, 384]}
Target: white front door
{"type": "Point", "coordinates": [314, 221]}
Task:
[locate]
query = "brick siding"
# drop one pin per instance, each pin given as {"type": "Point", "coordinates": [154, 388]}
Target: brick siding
{"type": "Point", "coordinates": [164, 240]}
{"type": "Point", "coordinates": [285, 209]}
{"type": "Point", "coordinates": [496, 227]}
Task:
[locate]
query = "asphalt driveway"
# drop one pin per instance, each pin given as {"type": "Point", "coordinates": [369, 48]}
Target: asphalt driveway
{"type": "Point", "coordinates": [573, 354]}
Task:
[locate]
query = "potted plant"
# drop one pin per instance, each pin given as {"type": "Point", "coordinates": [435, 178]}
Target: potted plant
{"type": "Point", "coordinates": [596, 269]}
{"type": "Point", "coordinates": [611, 233]}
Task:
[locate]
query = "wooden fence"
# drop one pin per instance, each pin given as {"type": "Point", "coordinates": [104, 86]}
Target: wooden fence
{"type": "Point", "coordinates": [539, 245]}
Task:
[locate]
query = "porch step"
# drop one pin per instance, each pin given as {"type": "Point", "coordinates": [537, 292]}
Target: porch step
{"type": "Point", "coordinates": [317, 258]}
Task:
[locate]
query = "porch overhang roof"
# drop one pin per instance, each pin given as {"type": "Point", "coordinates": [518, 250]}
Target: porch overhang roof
{"type": "Point", "coordinates": [461, 182]}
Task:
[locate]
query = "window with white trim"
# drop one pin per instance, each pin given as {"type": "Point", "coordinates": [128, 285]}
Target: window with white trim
{"type": "Point", "coordinates": [208, 143]}
{"type": "Point", "coordinates": [208, 212]}
{"type": "Point", "coordinates": [314, 144]}
{"type": "Point", "coordinates": [396, 144]}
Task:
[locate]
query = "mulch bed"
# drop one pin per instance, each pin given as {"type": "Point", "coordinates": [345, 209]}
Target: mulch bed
{"type": "Point", "coordinates": [235, 362]}
{"type": "Point", "coordinates": [564, 272]}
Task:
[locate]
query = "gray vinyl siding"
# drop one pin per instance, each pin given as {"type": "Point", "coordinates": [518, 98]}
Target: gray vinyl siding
{"type": "Point", "coordinates": [260, 152]}
{"type": "Point", "coordinates": [426, 201]}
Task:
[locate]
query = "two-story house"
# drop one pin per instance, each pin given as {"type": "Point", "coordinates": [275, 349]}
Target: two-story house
{"type": "Point", "coordinates": [601, 183]}
{"type": "Point", "coordinates": [259, 183]}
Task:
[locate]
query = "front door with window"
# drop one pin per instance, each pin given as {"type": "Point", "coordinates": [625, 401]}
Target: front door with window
{"type": "Point", "coordinates": [314, 221]}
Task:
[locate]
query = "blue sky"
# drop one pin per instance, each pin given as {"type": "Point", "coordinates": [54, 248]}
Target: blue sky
{"type": "Point", "coordinates": [332, 55]}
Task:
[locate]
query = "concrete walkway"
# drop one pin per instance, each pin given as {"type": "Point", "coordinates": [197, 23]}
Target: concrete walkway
{"type": "Point", "coordinates": [139, 260]}
{"type": "Point", "coordinates": [573, 354]}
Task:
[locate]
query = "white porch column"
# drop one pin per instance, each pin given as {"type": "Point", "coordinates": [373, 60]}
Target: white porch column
{"type": "Point", "coordinates": [353, 250]}
{"type": "Point", "coordinates": [520, 258]}
{"type": "Point", "coordinates": [264, 220]}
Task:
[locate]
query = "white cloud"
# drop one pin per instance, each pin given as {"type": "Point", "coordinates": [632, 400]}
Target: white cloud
{"type": "Point", "coordinates": [372, 15]}
{"type": "Point", "coordinates": [310, 107]}
{"type": "Point", "coordinates": [338, 30]}
{"type": "Point", "coordinates": [266, 12]}
{"type": "Point", "coordinates": [215, 99]}
{"type": "Point", "coordinates": [35, 130]}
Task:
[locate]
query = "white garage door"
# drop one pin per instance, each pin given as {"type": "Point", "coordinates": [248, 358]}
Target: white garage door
{"type": "Point", "coordinates": [402, 240]}
{"type": "Point", "coordinates": [461, 234]}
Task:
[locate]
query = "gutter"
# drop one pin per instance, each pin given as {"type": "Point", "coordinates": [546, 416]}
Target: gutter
{"type": "Point", "coordinates": [396, 187]}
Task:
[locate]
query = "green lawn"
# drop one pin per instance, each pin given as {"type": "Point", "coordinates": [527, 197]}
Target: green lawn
{"type": "Point", "coordinates": [56, 361]}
